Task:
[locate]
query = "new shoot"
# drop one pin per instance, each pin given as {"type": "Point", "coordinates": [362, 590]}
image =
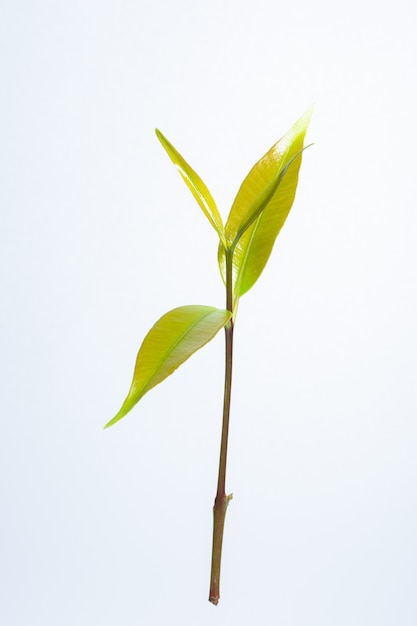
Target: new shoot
{"type": "Point", "coordinates": [245, 242]}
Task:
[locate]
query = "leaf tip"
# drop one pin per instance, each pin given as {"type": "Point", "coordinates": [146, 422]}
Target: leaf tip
{"type": "Point", "coordinates": [307, 115]}
{"type": "Point", "coordinates": [115, 419]}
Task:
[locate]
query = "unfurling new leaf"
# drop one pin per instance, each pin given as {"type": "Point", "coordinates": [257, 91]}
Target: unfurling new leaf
{"type": "Point", "coordinates": [171, 341]}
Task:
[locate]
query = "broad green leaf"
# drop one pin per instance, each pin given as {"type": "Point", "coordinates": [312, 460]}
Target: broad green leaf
{"type": "Point", "coordinates": [171, 341]}
{"type": "Point", "coordinates": [196, 186]}
{"type": "Point", "coordinates": [253, 247]}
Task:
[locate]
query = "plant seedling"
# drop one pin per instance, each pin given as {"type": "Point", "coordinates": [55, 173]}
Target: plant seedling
{"type": "Point", "coordinates": [258, 213]}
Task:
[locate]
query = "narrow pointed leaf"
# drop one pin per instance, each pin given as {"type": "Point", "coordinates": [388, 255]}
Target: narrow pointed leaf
{"type": "Point", "coordinates": [254, 246]}
{"type": "Point", "coordinates": [196, 186]}
{"type": "Point", "coordinates": [171, 341]}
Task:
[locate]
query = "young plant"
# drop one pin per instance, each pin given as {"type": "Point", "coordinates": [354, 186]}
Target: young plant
{"type": "Point", "coordinates": [257, 215]}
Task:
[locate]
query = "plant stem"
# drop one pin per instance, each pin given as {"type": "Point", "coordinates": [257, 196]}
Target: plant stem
{"type": "Point", "coordinates": [222, 500]}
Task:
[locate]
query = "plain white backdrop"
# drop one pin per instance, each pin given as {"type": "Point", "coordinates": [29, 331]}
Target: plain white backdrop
{"type": "Point", "coordinates": [100, 237]}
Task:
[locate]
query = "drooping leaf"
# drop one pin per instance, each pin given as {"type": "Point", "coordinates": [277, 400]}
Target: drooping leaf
{"type": "Point", "coordinates": [196, 186]}
{"type": "Point", "coordinates": [171, 341]}
{"type": "Point", "coordinates": [254, 246]}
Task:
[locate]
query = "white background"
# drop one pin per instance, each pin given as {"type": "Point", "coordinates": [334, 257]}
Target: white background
{"type": "Point", "coordinates": [100, 237]}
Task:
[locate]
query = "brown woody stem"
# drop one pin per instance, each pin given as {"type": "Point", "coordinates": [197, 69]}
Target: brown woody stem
{"type": "Point", "coordinates": [222, 500]}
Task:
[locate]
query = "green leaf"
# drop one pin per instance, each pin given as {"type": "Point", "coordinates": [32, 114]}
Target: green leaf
{"type": "Point", "coordinates": [262, 200]}
{"type": "Point", "coordinates": [171, 341]}
{"type": "Point", "coordinates": [265, 196]}
{"type": "Point", "coordinates": [196, 186]}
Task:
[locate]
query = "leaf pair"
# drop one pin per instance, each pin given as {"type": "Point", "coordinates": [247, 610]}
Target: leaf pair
{"type": "Point", "coordinates": [260, 208]}
{"type": "Point", "coordinates": [258, 213]}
